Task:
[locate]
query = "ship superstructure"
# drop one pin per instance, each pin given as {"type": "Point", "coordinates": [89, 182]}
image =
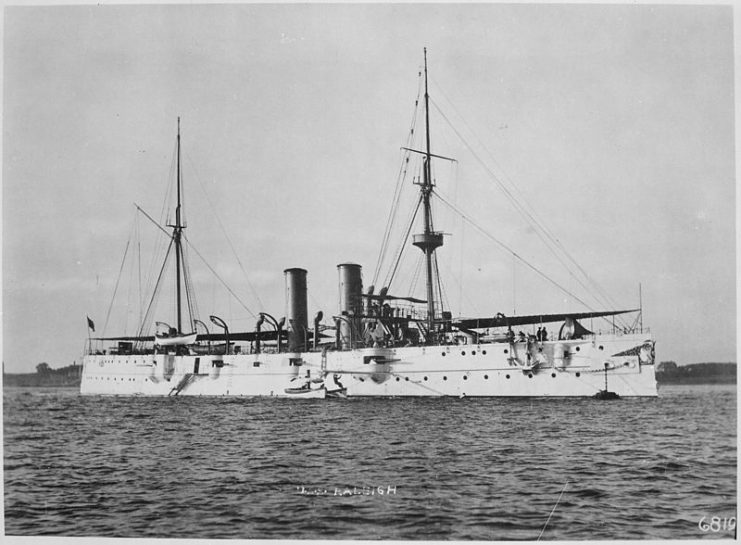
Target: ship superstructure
{"type": "Point", "coordinates": [377, 344]}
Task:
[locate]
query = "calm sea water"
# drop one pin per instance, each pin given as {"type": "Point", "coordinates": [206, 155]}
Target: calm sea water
{"type": "Point", "coordinates": [465, 469]}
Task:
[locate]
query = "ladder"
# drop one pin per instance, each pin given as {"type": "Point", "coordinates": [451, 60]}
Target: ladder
{"type": "Point", "coordinates": [187, 378]}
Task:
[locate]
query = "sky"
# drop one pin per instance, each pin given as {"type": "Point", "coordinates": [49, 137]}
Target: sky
{"type": "Point", "coordinates": [614, 124]}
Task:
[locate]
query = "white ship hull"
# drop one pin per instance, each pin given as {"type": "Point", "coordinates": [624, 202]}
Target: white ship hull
{"type": "Point", "coordinates": [557, 368]}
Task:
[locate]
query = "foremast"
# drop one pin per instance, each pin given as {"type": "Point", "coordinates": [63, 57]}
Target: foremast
{"type": "Point", "coordinates": [429, 240]}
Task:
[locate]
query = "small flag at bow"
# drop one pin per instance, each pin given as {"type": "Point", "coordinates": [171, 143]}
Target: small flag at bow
{"type": "Point", "coordinates": [90, 323]}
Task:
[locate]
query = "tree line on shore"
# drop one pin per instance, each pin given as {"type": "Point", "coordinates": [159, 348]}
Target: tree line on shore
{"type": "Point", "coordinates": [668, 372]}
{"type": "Point", "coordinates": [46, 376]}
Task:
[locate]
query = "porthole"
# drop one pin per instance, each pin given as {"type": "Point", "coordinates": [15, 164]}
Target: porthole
{"type": "Point", "coordinates": [425, 378]}
{"type": "Point", "coordinates": [486, 377]}
{"type": "Point", "coordinates": [443, 354]}
{"type": "Point", "coordinates": [578, 374]}
{"type": "Point", "coordinates": [445, 378]}
{"type": "Point", "coordinates": [577, 348]}
{"type": "Point", "coordinates": [465, 377]}
{"type": "Point", "coordinates": [627, 364]}
{"type": "Point", "coordinates": [507, 376]}
{"type": "Point", "coordinates": [406, 378]}
{"type": "Point", "coordinates": [601, 347]}
{"type": "Point", "coordinates": [506, 351]}
{"type": "Point", "coordinates": [530, 375]}
{"type": "Point", "coordinates": [483, 352]}
{"type": "Point", "coordinates": [397, 379]}
{"type": "Point", "coordinates": [473, 353]}
{"type": "Point", "coordinates": [463, 353]}
{"type": "Point", "coordinates": [553, 375]}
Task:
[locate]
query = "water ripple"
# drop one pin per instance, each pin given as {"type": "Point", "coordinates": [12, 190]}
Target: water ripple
{"type": "Point", "coordinates": [403, 469]}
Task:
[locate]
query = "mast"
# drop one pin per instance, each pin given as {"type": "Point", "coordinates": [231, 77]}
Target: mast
{"type": "Point", "coordinates": [176, 237]}
{"type": "Point", "coordinates": [430, 240]}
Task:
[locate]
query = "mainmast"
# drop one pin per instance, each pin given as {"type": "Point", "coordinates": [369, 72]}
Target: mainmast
{"type": "Point", "coordinates": [430, 240]}
{"type": "Point", "coordinates": [176, 237]}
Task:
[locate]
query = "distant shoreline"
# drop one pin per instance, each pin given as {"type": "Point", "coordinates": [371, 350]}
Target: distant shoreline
{"type": "Point", "coordinates": [45, 376]}
{"type": "Point", "coordinates": [696, 380]}
{"type": "Point", "coordinates": [666, 373]}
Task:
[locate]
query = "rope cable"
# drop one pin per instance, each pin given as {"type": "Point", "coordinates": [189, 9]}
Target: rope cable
{"type": "Point", "coordinates": [539, 228]}
{"type": "Point", "coordinates": [390, 277]}
{"type": "Point", "coordinates": [416, 274]}
{"type": "Point", "coordinates": [210, 268]}
{"type": "Point", "coordinates": [147, 314]}
{"type": "Point", "coordinates": [115, 289]}
{"type": "Point", "coordinates": [536, 224]}
{"type": "Point", "coordinates": [401, 176]}
{"type": "Point", "coordinates": [224, 232]}
{"type": "Point", "coordinates": [511, 251]}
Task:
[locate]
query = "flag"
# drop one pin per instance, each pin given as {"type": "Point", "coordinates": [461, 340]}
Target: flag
{"type": "Point", "coordinates": [90, 323]}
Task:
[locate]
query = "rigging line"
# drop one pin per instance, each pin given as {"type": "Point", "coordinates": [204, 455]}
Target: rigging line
{"type": "Point", "coordinates": [170, 177]}
{"type": "Point", "coordinates": [171, 239]}
{"type": "Point", "coordinates": [156, 289]}
{"type": "Point", "coordinates": [400, 249]}
{"type": "Point", "coordinates": [158, 246]}
{"type": "Point", "coordinates": [478, 140]}
{"type": "Point", "coordinates": [416, 274]}
{"type": "Point", "coordinates": [523, 207]}
{"type": "Point", "coordinates": [189, 291]}
{"type": "Point", "coordinates": [160, 249]}
{"type": "Point", "coordinates": [153, 221]}
{"type": "Point", "coordinates": [606, 301]}
{"type": "Point", "coordinates": [149, 316]}
{"type": "Point", "coordinates": [518, 205]}
{"type": "Point", "coordinates": [515, 254]}
{"type": "Point", "coordinates": [460, 267]}
{"type": "Point", "coordinates": [463, 294]}
{"type": "Point", "coordinates": [392, 216]}
{"type": "Point", "coordinates": [444, 299]}
{"type": "Point", "coordinates": [443, 304]}
{"type": "Point", "coordinates": [140, 299]}
{"type": "Point", "coordinates": [195, 311]}
{"type": "Point", "coordinates": [219, 278]}
{"type": "Point", "coordinates": [115, 290]}
{"type": "Point", "coordinates": [131, 288]}
{"type": "Point", "coordinates": [399, 184]}
{"type": "Point", "coordinates": [403, 245]}
{"type": "Point", "coordinates": [505, 178]}
{"type": "Point", "coordinates": [313, 300]}
{"type": "Point", "coordinates": [223, 230]}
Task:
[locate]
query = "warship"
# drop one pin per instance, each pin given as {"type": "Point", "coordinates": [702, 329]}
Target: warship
{"type": "Point", "coordinates": [377, 344]}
